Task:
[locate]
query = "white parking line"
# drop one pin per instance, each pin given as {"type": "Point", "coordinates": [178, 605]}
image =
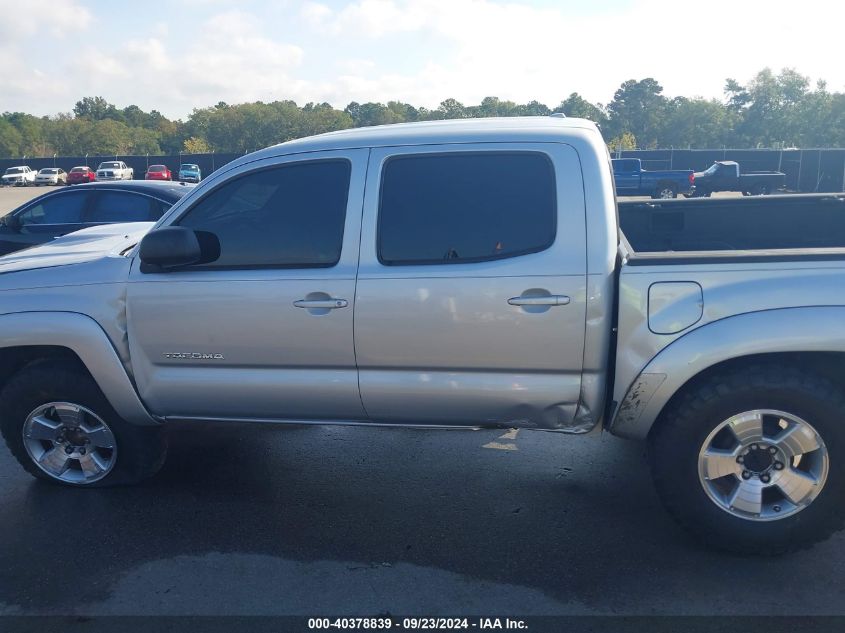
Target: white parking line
{"type": "Point", "coordinates": [510, 446]}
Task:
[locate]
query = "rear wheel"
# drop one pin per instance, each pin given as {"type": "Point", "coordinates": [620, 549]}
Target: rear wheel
{"type": "Point", "coordinates": [665, 191]}
{"type": "Point", "coordinates": [61, 428]}
{"type": "Point", "coordinates": [750, 460]}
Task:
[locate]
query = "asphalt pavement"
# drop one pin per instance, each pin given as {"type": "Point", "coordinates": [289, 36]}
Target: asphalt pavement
{"type": "Point", "coordinates": [309, 520]}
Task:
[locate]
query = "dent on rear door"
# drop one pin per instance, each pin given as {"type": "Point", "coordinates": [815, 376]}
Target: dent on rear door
{"type": "Point", "coordinates": [441, 344]}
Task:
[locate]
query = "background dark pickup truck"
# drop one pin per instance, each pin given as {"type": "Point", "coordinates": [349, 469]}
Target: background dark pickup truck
{"type": "Point", "coordinates": [632, 180]}
{"type": "Point", "coordinates": [726, 175]}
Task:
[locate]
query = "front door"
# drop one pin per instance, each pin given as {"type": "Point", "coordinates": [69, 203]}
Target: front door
{"type": "Point", "coordinates": [470, 306]}
{"type": "Point", "coordinates": [263, 332]}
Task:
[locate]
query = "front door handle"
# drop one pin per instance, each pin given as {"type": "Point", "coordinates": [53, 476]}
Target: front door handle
{"type": "Point", "coordinates": [321, 304]}
{"type": "Point", "coordinates": [548, 300]}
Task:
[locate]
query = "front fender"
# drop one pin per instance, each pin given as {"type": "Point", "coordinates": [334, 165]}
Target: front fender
{"type": "Point", "coordinates": [812, 329]}
{"type": "Point", "coordinates": [84, 336]}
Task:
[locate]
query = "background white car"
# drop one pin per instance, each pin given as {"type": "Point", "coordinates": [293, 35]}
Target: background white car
{"type": "Point", "coordinates": [20, 175]}
{"type": "Point", "coordinates": [114, 170]}
{"type": "Point", "coordinates": [51, 176]}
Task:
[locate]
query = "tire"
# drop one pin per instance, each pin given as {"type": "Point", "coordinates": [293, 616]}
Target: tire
{"type": "Point", "coordinates": [689, 422]}
{"type": "Point", "coordinates": [138, 451]}
{"type": "Point", "coordinates": [665, 191]}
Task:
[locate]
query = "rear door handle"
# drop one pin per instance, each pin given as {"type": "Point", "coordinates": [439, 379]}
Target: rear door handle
{"type": "Point", "coordinates": [549, 300]}
{"type": "Point", "coordinates": [321, 304]}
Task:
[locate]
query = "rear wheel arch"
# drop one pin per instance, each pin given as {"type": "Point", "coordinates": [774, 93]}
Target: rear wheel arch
{"type": "Point", "coordinates": [826, 365]}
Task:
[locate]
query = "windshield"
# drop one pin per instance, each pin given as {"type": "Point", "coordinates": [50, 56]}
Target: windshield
{"type": "Point", "coordinates": [109, 165]}
{"type": "Point", "coordinates": [187, 167]}
{"type": "Point", "coordinates": [712, 169]}
{"type": "Point", "coordinates": [77, 170]}
{"type": "Point", "coordinates": [158, 168]}
{"type": "Point", "coordinates": [14, 170]}
{"type": "Point", "coordinates": [48, 171]}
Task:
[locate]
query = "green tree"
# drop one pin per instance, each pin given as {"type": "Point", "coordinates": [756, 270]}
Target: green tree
{"type": "Point", "coordinates": [10, 139]}
{"type": "Point", "coordinates": [195, 145]}
{"type": "Point", "coordinates": [638, 107]}
{"type": "Point", "coordinates": [770, 107]}
{"type": "Point", "coordinates": [95, 109]}
{"type": "Point", "coordinates": [624, 141]}
{"type": "Point", "coordinates": [452, 109]}
{"type": "Point", "coordinates": [697, 123]}
{"type": "Point", "coordinates": [107, 137]}
{"type": "Point", "coordinates": [576, 106]}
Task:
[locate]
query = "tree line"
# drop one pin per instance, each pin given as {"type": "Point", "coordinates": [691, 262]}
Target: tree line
{"type": "Point", "coordinates": [771, 110]}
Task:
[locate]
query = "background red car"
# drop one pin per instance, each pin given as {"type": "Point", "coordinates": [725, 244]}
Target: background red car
{"type": "Point", "coordinates": [81, 174]}
{"type": "Point", "coordinates": [158, 172]}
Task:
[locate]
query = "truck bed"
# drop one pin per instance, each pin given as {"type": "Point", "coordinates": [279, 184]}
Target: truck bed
{"type": "Point", "coordinates": [784, 226]}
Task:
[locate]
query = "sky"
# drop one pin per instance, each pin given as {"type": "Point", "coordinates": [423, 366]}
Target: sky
{"type": "Point", "coordinates": [177, 56]}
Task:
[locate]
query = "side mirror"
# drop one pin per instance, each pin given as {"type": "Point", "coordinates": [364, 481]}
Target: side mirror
{"type": "Point", "coordinates": [169, 247]}
{"type": "Point", "coordinates": [13, 222]}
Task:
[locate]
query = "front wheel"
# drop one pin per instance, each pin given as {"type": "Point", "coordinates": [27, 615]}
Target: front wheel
{"type": "Point", "coordinates": [61, 428]}
{"type": "Point", "coordinates": [750, 460]}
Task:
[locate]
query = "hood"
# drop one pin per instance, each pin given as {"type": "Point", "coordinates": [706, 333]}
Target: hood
{"type": "Point", "coordinates": [108, 240]}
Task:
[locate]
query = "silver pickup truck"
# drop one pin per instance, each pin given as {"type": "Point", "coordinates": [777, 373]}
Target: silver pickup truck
{"type": "Point", "coordinates": [449, 274]}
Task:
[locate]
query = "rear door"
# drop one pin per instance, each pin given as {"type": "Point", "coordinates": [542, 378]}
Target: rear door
{"type": "Point", "coordinates": [470, 304]}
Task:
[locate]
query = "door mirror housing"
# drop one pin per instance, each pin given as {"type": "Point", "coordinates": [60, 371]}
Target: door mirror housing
{"type": "Point", "coordinates": [168, 248]}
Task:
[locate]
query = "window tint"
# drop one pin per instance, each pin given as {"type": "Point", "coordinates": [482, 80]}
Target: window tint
{"type": "Point", "coordinates": [288, 216]}
{"type": "Point", "coordinates": [467, 207]}
{"type": "Point", "coordinates": [119, 206]}
{"type": "Point", "coordinates": [58, 209]}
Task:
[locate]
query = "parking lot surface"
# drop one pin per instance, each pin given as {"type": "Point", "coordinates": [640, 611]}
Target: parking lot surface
{"type": "Point", "coordinates": [338, 520]}
{"type": "Point", "coordinates": [13, 197]}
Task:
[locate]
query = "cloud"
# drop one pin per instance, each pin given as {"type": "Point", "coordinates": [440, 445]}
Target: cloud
{"type": "Point", "coordinates": [419, 51]}
{"type": "Point", "coordinates": [60, 17]}
{"type": "Point", "coordinates": [519, 51]}
{"type": "Point", "coordinates": [231, 60]}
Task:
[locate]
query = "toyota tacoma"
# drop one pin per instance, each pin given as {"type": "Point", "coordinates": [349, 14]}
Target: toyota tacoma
{"type": "Point", "coordinates": [448, 274]}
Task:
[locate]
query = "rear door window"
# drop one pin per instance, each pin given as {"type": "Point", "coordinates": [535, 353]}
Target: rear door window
{"type": "Point", "coordinates": [121, 206]}
{"type": "Point", "coordinates": [466, 207]}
